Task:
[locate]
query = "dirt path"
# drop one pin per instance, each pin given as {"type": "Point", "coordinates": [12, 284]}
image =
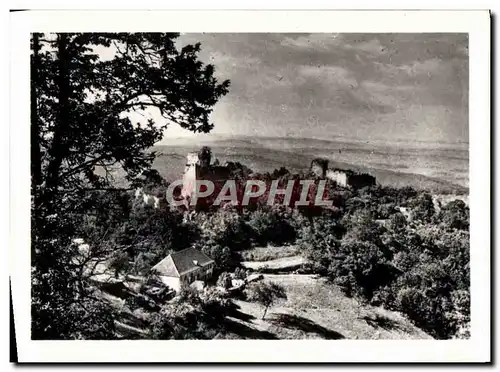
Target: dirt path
{"type": "Point", "coordinates": [278, 264]}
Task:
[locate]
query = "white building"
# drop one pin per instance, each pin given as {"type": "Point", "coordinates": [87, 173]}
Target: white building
{"type": "Point", "coordinates": [179, 269]}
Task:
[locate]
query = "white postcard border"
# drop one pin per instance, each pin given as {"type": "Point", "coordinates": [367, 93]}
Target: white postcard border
{"type": "Point", "coordinates": [476, 23]}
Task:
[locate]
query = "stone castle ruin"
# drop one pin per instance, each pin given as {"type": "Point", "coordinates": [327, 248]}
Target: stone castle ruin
{"type": "Point", "coordinates": [199, 167]}
{"type": "Point", "coordinates": [343, 177]}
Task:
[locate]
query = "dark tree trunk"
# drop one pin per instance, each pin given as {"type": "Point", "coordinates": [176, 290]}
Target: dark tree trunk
{"type": "Point", "coordinates": [311, 221]}
{"type": "Point", "coordinates": [36, 168]}
{"type": "Point", "coordinates": [57, 149]}
{"type": "Point", "coordinates": [265, 312]}
{"type": "Point", "coordinates": [36, 161]}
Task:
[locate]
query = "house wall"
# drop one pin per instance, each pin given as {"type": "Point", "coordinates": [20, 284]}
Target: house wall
{"type": "Point", "coordinates": [171, 282]}
{"type": "Point", "coordinates": [208, 271]}
{"type": "Point", "coordinates": [203, 273]}
{"type": "Point", "coordinates": [184, 281]}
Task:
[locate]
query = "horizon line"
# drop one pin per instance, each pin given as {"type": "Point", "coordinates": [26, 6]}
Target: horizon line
{"type": "Point", "coordinates": [333, 139]}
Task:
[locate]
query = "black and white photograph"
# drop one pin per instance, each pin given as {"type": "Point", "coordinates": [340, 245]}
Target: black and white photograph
{"type": "Point", "coordinates": [250, 186]}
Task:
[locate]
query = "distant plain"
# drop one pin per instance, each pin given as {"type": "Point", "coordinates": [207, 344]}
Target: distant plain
{"type": "Point", "coordinates": [434, 166]}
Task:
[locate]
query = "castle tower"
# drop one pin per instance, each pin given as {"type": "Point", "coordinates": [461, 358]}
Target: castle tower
{"type": "Point", "coordinates": [190, 175]}
{"type": "Point", "coordinates": [192, 159]}
{"type": "Point", "coordinates": [205, 157]}
{"type": "Point", "coordinates": [198, 168]}
{"type": "Point", "coordinates": [319, 167]}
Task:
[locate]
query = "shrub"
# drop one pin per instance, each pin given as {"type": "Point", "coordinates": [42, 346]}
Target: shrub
{"type": "Point", "coordinates": [361, 263]}
{"type": "Point", "coordinates": [226, 227]}
{"type": "Point", "coordinates": [154, 233]}
{"type": "Point", "coordinates": [272, 226]}
{"type": "Point", "coordinates": [223, 256]}
{"type": "Point", "coordinates": [459, 316]}
{"type": "Point", "coordinates": [455, 215]}
{"type": "Point", "coordinates": [397, 222]}
{"type": "Point", "coordinates": [422, 208]}
{"type": "Point", "coordinates": [193, 316]}
{"type": "Point", "coordinates": [143, 262]}
{"type": "Point", "coordinates": [427, 311]}
{"type": "Point", "coordinates": [362, 227]}
{"type": "Point", "coordinates": [240, 273]}
{"type": "Point", "coordinates": [120, 263]}
{"type": "Point", "coordinates": [319, 244]}
{"type": "Point", "coordinates": [82, 318]}
{"type": "Point", "coordinates": [224, 280]}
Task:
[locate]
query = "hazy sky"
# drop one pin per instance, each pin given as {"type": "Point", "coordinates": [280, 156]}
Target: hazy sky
{"type": "Point", "coordinates": [366, 86]}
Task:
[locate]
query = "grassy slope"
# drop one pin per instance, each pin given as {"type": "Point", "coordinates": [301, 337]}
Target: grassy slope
{"type": "Point", "coordinates": [268, 253]}
{"type": "Point", "coordinates": [315, 309]}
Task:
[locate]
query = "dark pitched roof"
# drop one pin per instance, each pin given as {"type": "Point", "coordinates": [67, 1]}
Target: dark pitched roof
{"type": "Point", "coordinates": [166, 267]}
{"type": "Point", "coordinates": [181, 262]}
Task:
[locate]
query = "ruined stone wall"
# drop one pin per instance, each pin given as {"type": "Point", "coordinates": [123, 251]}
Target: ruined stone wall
{"type": "Point", "coordinates": [192, 159]}
{"type": "Point", "coordinates": [338, 176]}
{"type": "Point", "coordinates": [358, 181]}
